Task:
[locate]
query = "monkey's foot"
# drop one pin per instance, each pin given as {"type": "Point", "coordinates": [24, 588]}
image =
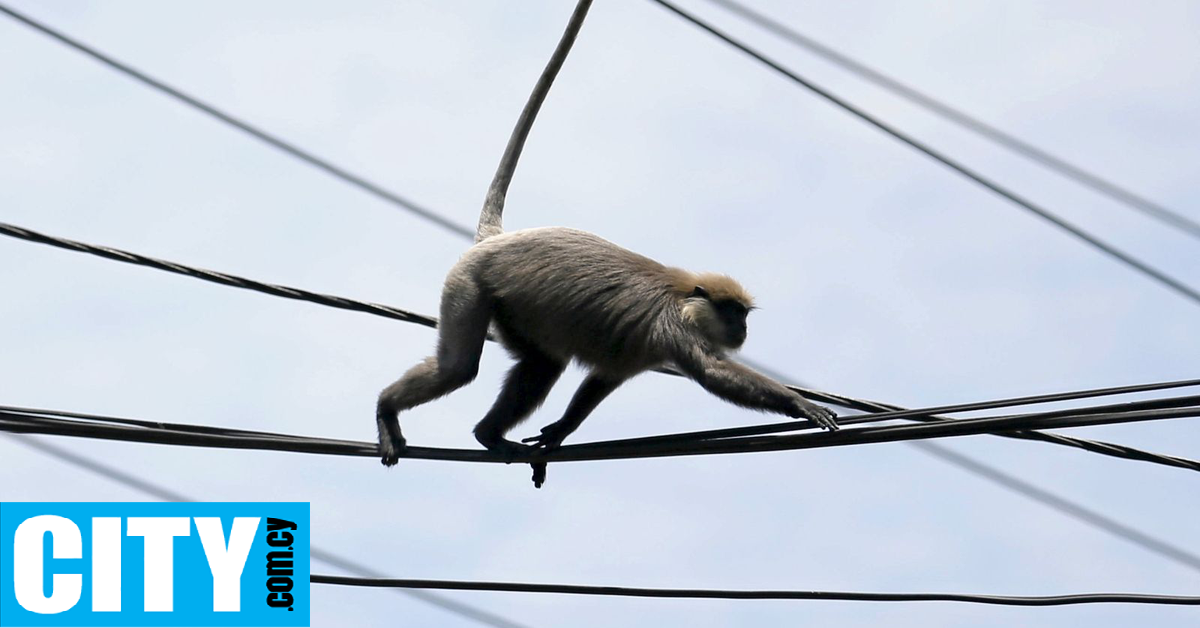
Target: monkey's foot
{"type": "Point", "coordinates": [391, 441]}
{"type": "Point", "coordinates": [390, 447]}
{"type": "Point", "coordinates": [507, 449]}
{"type": "Point", "coordinates": [539, 473]}
{"type": "Point", "coordinates": [822, 416]}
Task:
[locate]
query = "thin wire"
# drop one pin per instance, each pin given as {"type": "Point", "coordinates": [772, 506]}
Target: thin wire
{"type": "Point", "coordinates": [253, 131]}
{"type": "Point", "coordinates": [223, 279]}
{"type": "Point", "coordinates": [724, 594]}
{"type": "Point", "coordinates": [330, 558]}
{"type": "Point", "coordinates": [1061, 504]}
{"type": "Point", "coordinates": [1039, 211]}
{"type": "Point", "coordinates": [1100, 447]}
{"type": "Point", "coordinates": [329, 300]}
{"type": "Point", "coordinates": [1095, 182]}
{"type": "Point", "coordinates": [35, 423]}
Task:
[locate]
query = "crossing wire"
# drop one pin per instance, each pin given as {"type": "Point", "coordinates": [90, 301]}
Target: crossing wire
{"type": "Point", "coordinates": [1099, 184]}
{"type": "Point", "coordinates": [257, 133]}
{"type": "Point", "coordinates": [21, 420]}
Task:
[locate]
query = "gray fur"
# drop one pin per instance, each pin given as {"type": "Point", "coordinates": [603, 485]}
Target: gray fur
{"type": "Point", "coordinates": [556, 295]}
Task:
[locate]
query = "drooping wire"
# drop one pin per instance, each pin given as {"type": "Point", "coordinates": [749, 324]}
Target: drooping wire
{"type": "Point", "coordinates": [1079, 233]}
{"type": "Point", "coordinates": [224, 279]}
{"type": "Point", "coordinates": [735, 594]}
{"type": "Point", "coordinates": [1099, 184]}
{"type": "Point", "coordinates": [235, 281]}
{"type": "Point", "coordinates": [20, 420]}
{"type": "Point", "coordinates": [332, 559]}
{"type": "Point", "coordinates": [253, 131]}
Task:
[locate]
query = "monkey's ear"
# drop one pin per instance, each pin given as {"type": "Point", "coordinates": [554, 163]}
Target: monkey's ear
{"type": "Point", "coordinates": [699, 292]}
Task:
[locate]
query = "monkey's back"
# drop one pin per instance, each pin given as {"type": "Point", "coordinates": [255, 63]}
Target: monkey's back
{"type": "Point", "coordinates": [573, 295]}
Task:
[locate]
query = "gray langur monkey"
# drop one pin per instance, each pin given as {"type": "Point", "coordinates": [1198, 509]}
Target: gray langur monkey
{"type": "Point", "coordinates": [555, 295]}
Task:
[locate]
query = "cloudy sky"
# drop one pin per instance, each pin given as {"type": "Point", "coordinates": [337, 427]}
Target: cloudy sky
{"type": "Point", "coordinates": [881, 275]}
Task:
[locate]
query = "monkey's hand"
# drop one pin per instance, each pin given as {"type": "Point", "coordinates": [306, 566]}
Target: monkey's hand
{"type": "Point", "coordinates": [802, 408]}
{"type": "Point", "coordinates": [550, 439]}
{"type": "Point", "coordinates": [391, 441]}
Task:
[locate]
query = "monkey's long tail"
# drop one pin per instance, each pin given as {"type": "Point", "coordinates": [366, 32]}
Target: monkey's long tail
{"type": "Point", "coordinates": [491, 218]}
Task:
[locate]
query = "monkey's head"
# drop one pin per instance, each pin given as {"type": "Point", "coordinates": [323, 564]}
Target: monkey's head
{"type": "Point", "coordinates": [717, 305]}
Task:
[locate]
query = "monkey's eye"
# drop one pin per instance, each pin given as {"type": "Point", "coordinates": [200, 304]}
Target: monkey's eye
{"type": "Point", "coordinates": [733, 309]}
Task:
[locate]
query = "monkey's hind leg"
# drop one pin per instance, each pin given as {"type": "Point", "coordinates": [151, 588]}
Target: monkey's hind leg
{"type": "Point", "coordinates": [461, 334]}
{"type": "Point", "coordinates": [593, 390]}
{"type": "Point", "coordinates": [525, 388]}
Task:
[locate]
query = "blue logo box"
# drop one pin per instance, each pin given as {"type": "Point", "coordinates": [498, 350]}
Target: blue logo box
{"type": "Point", "coordinates": [154, 564]}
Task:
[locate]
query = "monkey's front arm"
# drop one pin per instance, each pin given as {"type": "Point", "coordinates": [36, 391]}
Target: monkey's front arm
{"type": "Point", "coordinates": [746, 387]}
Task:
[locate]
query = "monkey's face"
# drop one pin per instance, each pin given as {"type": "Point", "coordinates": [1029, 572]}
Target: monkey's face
{"type": "Point", "coordinates": [723, 322]}
{"type": "Point", "coordinates": [732, 314]}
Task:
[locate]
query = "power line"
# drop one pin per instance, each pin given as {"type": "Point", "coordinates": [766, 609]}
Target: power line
{"type": "Point", "coordinates": [725, 594]}
{"type": "Point", "coordinates": [330, 558]}
{"type": "Point", "coordinates": [1028, 205]}
{"type": "Point", "coordinates": [1095, 182]}
{"type": "Point", "coordinates": [345, 176]}
{"type": "Point", "coordinates": [370, 578]}
{"type": "Point", "coordinates": [38, 422]}
{"type": "Point", "coordinates": [224, 279]}
{"type": "Point", "coordinates": [257, 133]}
{"type": "Point", "coordinates": [288, 292]}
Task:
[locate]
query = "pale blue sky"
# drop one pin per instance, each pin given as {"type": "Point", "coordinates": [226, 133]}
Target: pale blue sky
{"type": "Point", "coordinates": [881, 275]}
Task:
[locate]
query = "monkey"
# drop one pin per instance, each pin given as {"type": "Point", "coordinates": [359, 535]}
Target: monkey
{"type": "Point", "coordinates": [556, 295]}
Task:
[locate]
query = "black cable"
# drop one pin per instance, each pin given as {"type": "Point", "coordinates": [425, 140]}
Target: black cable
{"type": "Point", "coordinates": [1039, 211]}
{"type": "Point", "coordinates": [257, 133]}
{"type": "Point", "coordinates": [330, 558]}
{"type": "Point", "coordinates": [882, 412]}
{"type": "Point", "coordinates": [723, 594]}
{"type": "Point", "coordinates": [1095, 182]}
{"type": "Point", "coordinates": [1094, 446]}
{"type": "Point", "coordinates": [34, 423]}
{"type": "Point", "coordinates": [224, 279]}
